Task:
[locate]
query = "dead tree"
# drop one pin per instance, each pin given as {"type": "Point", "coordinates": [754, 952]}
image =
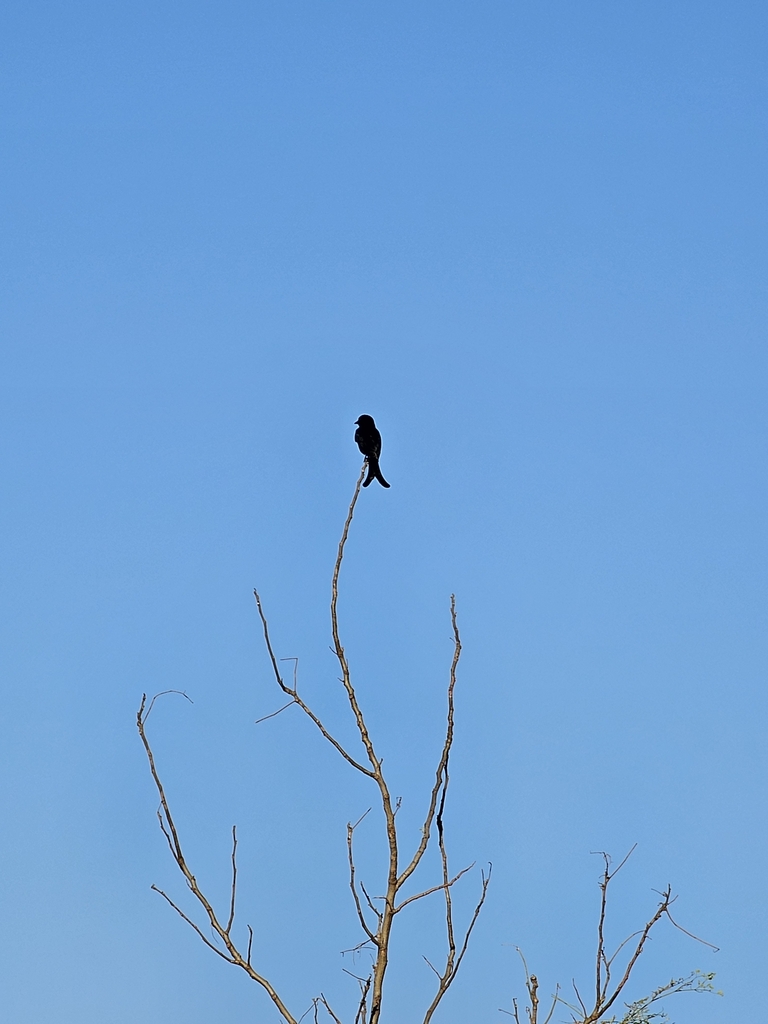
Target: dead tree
{"type": "Point", "coordinates": [376, 916]}
{"type": "Point", "coordinates": [612, 976]}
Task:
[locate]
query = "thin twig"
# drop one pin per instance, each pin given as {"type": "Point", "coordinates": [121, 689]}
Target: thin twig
{"type": "Point", "coordinates": [435, 888]}
{"type": "Point", "coordinates": [690, 934]}
{"type": "Point", "coordinates": [555, 1001]}
{"type": "Point", "coordinates": [485, 882]}
{"type": "Point", "coordinates": [181, 693]}
{"type": "Point", "coordinates": [330, 1011]}
{"type": "Point", "coordinates": [352, 885]}
{"type": "Point", "coordinates": [429, 964]}
{"type": "Point", "coordinates": [274, 715]}
{"type": "Point", "coordinates": [312, 1006]}
{"type": "Point", "coordinates": [622, 945]}
{"type": "Point", "coordinates": [369, 901]}
{"type": "Point", "coordinates": [192, 925]}
{"type": "Point", "coordinates": [231, 918]}
{"type": "Point", "coordinates": [357, 948]}
{"type": "Point", "coordinates": [362, 1008]}
{"type": "Point", "coordinates": [578, 996]}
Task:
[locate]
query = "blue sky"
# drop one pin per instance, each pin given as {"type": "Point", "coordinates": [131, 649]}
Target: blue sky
{"type": "Point", "coordinates": [529, 238]}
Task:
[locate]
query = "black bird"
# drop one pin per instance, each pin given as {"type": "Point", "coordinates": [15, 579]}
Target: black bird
{"type": "Point", "coordinates": [369, 442]}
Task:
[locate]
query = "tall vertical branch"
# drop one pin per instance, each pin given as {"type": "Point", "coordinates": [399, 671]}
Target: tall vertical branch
{"type": "Point", "coordinates": [381, 936]}
{"type": "Point", "coordinates": [395, 879]}
{"type": "Point", "coordinates": [338, 649]}
{"type": "Point", "coordinates": [387, 914]}
{"type": "Point", "coordinates": [452, 961]}
{"type": "Point", "coordinates": [603, 965]}
{"type": "Point", "coordinates": [441, 774]}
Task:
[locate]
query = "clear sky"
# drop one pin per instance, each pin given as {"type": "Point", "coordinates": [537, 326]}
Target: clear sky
{"type": "Point", "coordinates": [530, 239]}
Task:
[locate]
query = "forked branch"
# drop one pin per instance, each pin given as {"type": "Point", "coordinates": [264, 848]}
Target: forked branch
{"type": "Point", "coordinates": [230, 951]}
{"type": "Point", "coordinates": [353, 884]}
{"type": "Point", "coordinates": [293, 693]}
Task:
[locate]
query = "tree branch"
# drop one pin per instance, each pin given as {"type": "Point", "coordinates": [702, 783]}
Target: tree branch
{"type": "Point", "coordinates": [435, 888]}
{"type": "Point", "coordinates": [293, 693]}
{"type": "Point", "coordinates": [442, 767]}
{"type": "Point", "coordinates": [452, 966]}
{"type": "Point", "coordinates": [387, 914]}
{"type": "Point", "coordinates": [361, 917]}
{"type": "Point", "coordinates": [231, 918]}
{"type": "Point", "coordinates": [169, 830]}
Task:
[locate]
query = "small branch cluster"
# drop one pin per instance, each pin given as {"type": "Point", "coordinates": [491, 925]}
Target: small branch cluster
{"type": "Point", "coordinates": [376, 915]}
{"type": "Point", "coordinates": [532, 1010]}
{"type": "Point", "coordinates": [608, 991]}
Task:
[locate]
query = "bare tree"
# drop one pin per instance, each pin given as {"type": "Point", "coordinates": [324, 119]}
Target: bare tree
{"type": "Point", "coordinates": [612, 976]}
{"type": "Point", "coordinates": [376, 915]}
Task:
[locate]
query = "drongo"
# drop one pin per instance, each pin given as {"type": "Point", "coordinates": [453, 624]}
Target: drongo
{"type": "Point", "coordinates": [369, 442]}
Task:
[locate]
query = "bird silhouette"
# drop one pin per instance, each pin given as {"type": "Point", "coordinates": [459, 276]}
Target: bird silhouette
{"type": "Point", "coordinates": [369, 442]}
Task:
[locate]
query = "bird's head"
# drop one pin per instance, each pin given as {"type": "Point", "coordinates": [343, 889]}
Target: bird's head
{"type": "Point", "coordinates": [364, 421]}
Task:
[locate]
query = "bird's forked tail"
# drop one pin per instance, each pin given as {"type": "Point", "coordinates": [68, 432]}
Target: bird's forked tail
{"type": "Point", "coordinates": [374, 473]}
